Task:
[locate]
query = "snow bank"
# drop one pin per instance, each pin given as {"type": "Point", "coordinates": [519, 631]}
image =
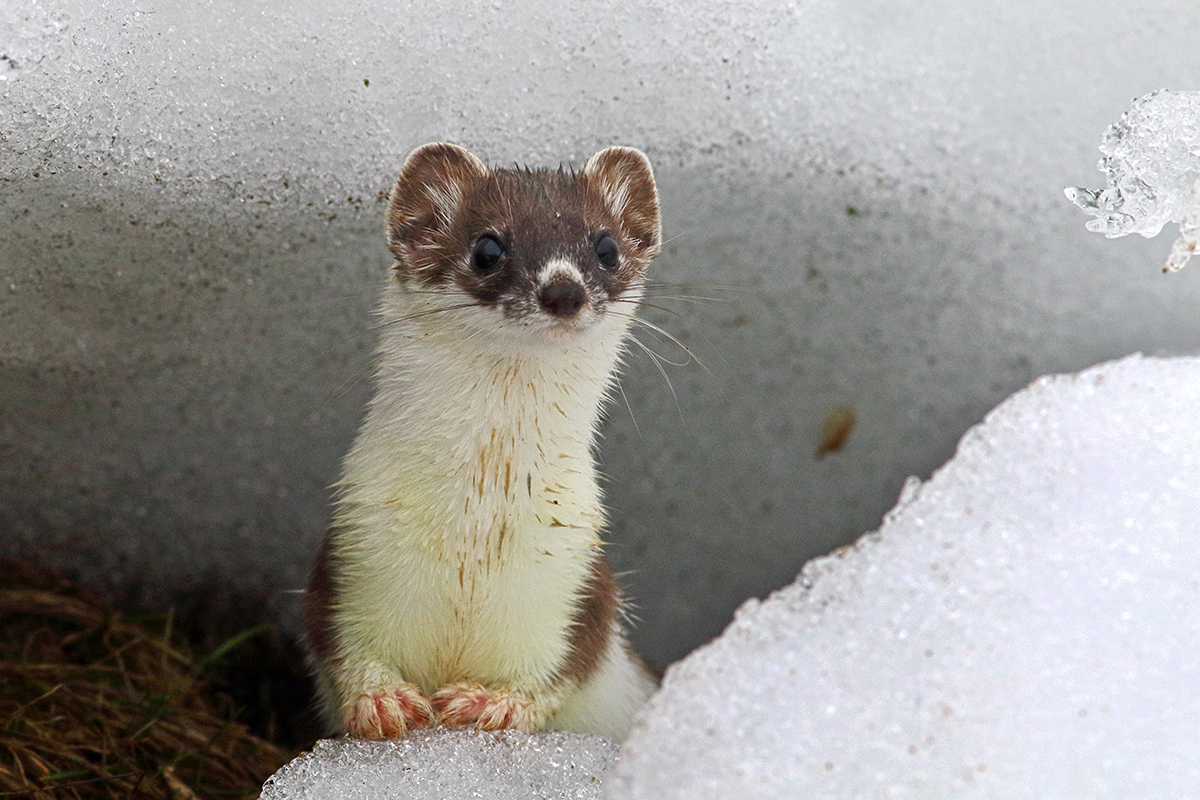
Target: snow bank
{"type": "Point", "coordinates": [442, 765]}
{"type": "Point", "coordinates": [1024, 624]}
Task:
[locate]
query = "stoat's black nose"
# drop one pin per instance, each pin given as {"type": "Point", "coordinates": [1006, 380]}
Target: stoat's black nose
{"type": "Point", "coordinates": [562, 299]}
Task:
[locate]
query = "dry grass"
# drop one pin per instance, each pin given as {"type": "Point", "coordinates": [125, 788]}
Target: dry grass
{"type": "Point", "coordinates": [94, 705]}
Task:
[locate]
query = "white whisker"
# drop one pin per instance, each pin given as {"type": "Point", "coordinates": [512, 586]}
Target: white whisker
{"type": "Point", "coordinates": [621, 389]}
{"type": "Point", "coordinates": [427, 312]}
{"type": "Point", "coordinates": [691, 355]}
{"type": "Point", "coordinates": [655, 358]}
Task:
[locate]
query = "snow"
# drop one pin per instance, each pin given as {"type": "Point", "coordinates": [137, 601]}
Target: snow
{"type": "Point", "coordinates": [1152, 165]}
{"type": "Point", "coordinates": [442, 765]}
{"type": "Point", "coordinates": [1023, 625]}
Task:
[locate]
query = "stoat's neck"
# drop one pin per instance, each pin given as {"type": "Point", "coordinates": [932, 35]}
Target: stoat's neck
{"type": "Point", "coordinates": [478, 436]}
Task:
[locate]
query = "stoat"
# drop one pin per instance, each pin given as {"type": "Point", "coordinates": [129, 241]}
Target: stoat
{"type": "Point", "coordinates": [462, 580]}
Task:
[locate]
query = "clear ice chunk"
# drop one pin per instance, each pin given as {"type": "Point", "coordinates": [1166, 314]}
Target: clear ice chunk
{"type": "Point", "coordinates": [1152, 163]}
{"type": "Point", "coordinates": [449, 765]}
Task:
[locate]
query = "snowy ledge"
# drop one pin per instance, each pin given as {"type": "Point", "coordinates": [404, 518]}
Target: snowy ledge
{"type": "Point", "coordinates": [1022, 625]}
{"type": "Point", "coordinates": [433, 765]}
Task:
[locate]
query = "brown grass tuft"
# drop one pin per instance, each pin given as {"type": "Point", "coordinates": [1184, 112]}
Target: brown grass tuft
{"type": "Point", "coordinates": [96, 705]}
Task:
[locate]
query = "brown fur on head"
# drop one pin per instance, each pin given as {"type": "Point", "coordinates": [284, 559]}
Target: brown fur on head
{"type": "Point", "coordinates": [446, 201]}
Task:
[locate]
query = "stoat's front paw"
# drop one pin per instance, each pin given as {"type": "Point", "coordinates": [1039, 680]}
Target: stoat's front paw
{"type": "Point", "coordinates": [487, 710]}
{"type": "Point", "coordinates": [387, 714]}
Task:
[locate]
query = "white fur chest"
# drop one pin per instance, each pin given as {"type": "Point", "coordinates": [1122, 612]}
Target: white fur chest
{"type": "Point", "coordinates": [470, 513]}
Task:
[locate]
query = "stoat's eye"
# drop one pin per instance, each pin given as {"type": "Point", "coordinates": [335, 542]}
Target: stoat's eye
{"type": "Point", "coordinates": [487, 254]}
{"type": "Point", "coordinates": [607, 252]}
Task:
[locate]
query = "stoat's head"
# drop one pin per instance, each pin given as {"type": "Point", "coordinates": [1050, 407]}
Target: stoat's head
{"type": "Point", "coordinates": [531, 249]}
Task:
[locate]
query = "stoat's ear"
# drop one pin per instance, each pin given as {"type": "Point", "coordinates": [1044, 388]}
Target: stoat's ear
{"type": "Point", "coordinates": [624, 179]}
{"type": "Point", "coordinates": [430, 189]}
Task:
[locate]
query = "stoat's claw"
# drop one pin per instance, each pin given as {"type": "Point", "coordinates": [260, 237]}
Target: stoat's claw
{"type": "Point", "coordinates": [459, 703]}
{"type": "Point", "coordinates": [389, 713]}
{"type": "Point", "coordinates": [506, 710]}
{"type": "Point", "coordinates": [472, 704]}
